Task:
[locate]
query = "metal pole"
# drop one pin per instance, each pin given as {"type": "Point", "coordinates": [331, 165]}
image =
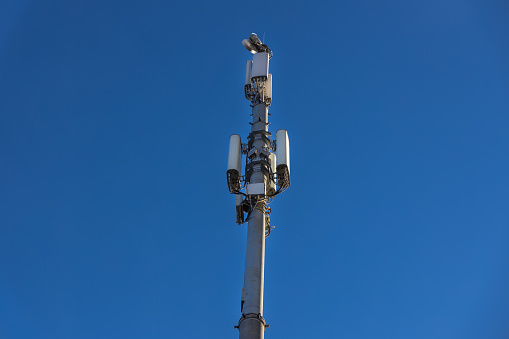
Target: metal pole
{"type": "Point", "coordinates": [252, 324]}
{"type": "Point", "coordinates": [267, 174]}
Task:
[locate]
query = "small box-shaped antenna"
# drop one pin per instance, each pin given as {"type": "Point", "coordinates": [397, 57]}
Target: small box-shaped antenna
{"type": "Point", "coordinates": [271, 183]}
{"type": "Point", "coordinates": [268, 88]}
{"type": "Point", "coordinates": [260, 65]}
{"type": "Point", "coordinates": [249, 67]}
{"type": "Point", "coordinates": [239, 208]}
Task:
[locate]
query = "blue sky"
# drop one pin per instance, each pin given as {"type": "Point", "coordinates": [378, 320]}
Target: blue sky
{"type": "Point", "coordinates": [115, 216]}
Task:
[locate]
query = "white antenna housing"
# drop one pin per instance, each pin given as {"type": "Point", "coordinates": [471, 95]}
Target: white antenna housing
{"type": "Point", "coordinates": [282, 148]}
{"type": "Point", "coordinates": [272, 159]}
{"type": "Point", "coordinates": [260, 65]}
{"type": "Point", "coordinates": [234, 153]}
{"type": "Point", "coordinates": [234, 163]}
{"type": "Point", "coordinates": [249, 67]}
{"type": "Point", "coordinates": [268, 88]}
{"type": "Point", "coordinates": [283, 158]}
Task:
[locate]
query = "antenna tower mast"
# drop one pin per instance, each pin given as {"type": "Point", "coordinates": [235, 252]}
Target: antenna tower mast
{"type": "Point", "coordinates": [267, 173]}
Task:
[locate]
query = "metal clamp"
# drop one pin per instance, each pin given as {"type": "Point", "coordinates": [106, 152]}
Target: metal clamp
{"type": "Point", "coordinates": [264, 167]}
{"type": "Point", "coordinates": [260, 135]}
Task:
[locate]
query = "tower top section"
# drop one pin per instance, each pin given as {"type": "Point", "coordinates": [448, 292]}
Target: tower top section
{"type": "Point", "coordinates": [258, 85]}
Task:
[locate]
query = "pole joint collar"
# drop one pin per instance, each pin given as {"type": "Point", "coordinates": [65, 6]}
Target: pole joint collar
{"type": "Point", "coordinates": [251, 316]}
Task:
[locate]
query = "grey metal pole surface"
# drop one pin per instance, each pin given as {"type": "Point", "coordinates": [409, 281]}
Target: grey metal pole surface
{"type": "Point", "coordinates": [252, 324]}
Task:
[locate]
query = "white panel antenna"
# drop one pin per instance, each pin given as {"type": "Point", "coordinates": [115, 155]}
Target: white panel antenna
{"type": "Point", "coordinates": [260, 65]}
{"type": "Point", "coordinates": [268, 88]}
{"type": "Point", "coordinates": [283, 158]}
{"type": "Point", "coordinates": [234, 163]}
{"type": "Point", "coordinates": [249, 67]}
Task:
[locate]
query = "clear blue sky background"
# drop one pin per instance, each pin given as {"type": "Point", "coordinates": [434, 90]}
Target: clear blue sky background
{"type": "Point", "coordinates": [115, 218]}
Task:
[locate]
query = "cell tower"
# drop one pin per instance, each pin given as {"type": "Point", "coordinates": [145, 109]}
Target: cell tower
{"type": "Point", "coordinates": [267, 173]}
